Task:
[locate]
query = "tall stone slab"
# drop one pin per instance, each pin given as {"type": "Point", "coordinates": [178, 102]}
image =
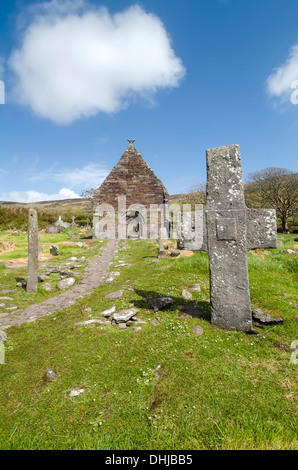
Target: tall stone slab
{"type": "Point", "coordinates": [32, 252]}
{"type": "Point", "coordinates": [229, 230]}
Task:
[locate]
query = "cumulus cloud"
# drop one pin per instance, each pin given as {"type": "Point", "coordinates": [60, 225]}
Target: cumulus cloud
{"type": "Point", "coordinates": [281, 82]}
{"type": "Point", "coordinates": [76, 60]}
{"type": "Point", "coordinates": [35, 196]}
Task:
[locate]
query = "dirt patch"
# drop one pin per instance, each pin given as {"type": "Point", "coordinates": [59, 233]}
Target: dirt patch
{"type": "Point", "coordinates": [186, 253]}
{"type": "Point", "coordinates": [259, 253]}
{"type": "Point", "coordinates": [24, 261]}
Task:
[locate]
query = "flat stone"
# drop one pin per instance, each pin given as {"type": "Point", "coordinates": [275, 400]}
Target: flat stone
{"type": "Point", "coordinates": [6, 298]}
{"type": "Point", "coordinates": [115, 295]}
{"type": "Point", "coordinates": [93, 321]}
{"type": "Point", "coordinates": [198, 330]}
{"type": "Point", "coordinates": [264, 318]}
{"type": "Point", "coordinates": [195, 287]}
{"type": "Point", "coordinates": [108, 312]}
{"type": "Point", "coordinates": [186, 295]}
{"type": "Point", "coordinates": [76, 392]}
{"type": "Point", "coordinates": [47, 287]}
{"type": "Point", "coordinates": [160, 303]}
{"type": "Point", "coordinates": [124, 315]}
{"type": "Point", "coordinates": [66, 283]}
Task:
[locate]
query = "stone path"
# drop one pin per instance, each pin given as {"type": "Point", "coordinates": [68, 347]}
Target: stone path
{"type": "Point", "coordinates": [94, 274]}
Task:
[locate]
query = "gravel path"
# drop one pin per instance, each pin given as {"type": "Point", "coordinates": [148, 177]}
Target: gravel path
{"type": "Point", "coordinates": [94, 274]}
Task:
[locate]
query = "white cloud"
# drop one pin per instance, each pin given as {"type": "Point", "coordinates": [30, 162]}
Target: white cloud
{"type": "Point", "coordinates": [35, 196]}
{"type": "Point", "coordinates": [90, 176]}
{"type": "Point", "coordinates": [280, 81]}
{"type": "Point", "coordinates": [76, 61]}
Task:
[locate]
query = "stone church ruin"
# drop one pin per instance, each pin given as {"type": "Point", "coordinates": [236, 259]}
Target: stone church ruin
{"type": "Point", "coordinates": [131, 202]}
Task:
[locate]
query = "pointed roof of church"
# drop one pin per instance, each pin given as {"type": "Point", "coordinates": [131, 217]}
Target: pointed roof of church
{"type": "Point", "coordinates": [131, 177]}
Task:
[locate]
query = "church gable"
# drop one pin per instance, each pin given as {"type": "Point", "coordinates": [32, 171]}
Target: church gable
{"type": "Point", "coordinates": [131, 177]}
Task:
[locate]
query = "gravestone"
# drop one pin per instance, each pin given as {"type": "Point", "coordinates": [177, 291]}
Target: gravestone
{"type": "Point", "coordinates": [73, 224]}
{"type": "Point", "coordinates": [32, 252]}
{"type": "Point", "coordinates": [230, 229]}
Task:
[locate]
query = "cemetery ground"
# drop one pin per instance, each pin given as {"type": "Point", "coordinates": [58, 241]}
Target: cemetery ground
{"type": "Point", "coordinates": [160, 385]}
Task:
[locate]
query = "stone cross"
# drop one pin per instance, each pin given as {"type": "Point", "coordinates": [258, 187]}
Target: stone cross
{"type": "Point", "coordinates": [32, 252]}
{"type": "Point", "coordinates": [230, 229]}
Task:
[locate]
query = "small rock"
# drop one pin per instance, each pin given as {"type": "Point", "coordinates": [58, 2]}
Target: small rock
{"type": "Point", "coordinates": [108, 312]}
{"type": "Point", "coordinates": [80, 244]}
{"type": "Point", "coordinates": [47, 287]}
{"type": "Point", "coordinates": [42, 277]}
{"type": "Point", "coordinates": [91, 322]}
{"type": "Point", "coordinates": [50, 376]}
{"type": "Point", "coordinates": [54, 250]}
{"type": "Point", "coordinates": [109, 280]}
{"type": "Point", "coordinates": [15, 233]}
{"type": "Point", "coordinates": [6, 298]}
{"type": "Point", "coordinates": [115, 295]}
{"type": "Point", "coordinates": [264, 318]}
{"type": "Point", "coordinates": [136, 328]}
{"type": "Point", "coordinates": [195, 287]}
{"type": "Point", "coordinates": [290, 252]}
{"type": "Point", "coordinates": [76, 392]}
{"type": "Point", "coordinates": [73, 258]}
{"type": "Point", "coordinates": [65, 283]}
{"type": "Point", "coordinates": [175, 253]}
{"type": "Point", "coordinates": [154, 261]}
{"type": "Point", "coordinates": [160, 303]}
{"type": "Point", "coordinates": [186, 295]}
{"type": "Point", "coordinates": [124, 315]}
{"type": "Point", "coordinates": [198, 330]}
{"type": "Point", "coordinates": [122, 326]}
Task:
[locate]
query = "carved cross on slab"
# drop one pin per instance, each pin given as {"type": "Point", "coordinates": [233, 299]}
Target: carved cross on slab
{"type": "Point", "coordinates": [230, 229]}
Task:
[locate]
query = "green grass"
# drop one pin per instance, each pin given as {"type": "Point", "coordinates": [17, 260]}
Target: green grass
{"type": "Point", "coordinates": [221, 390]}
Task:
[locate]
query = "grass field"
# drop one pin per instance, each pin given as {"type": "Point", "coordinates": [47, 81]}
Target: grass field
{"type": "Point", "coordinates": [162, 387]}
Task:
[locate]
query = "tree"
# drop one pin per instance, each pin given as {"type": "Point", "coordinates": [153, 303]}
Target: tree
{"type": "Point", "coordinates": [275, 188]}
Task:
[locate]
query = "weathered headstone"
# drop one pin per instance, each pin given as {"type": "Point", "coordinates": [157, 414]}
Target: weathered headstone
{"type": "Point", "coordinates": [230, 229]}
{"type": "Point", "coordinates": [73, 224]}
{"type": "Point", "coordinates": [32, 252]}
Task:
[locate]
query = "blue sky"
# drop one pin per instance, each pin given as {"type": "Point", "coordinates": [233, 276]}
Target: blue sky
{"type": "Point", "coordinates": [177, 76]}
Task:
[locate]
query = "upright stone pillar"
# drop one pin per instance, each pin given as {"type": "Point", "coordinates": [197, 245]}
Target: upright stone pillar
{"type": "Point", "coordinates": [32, 252]}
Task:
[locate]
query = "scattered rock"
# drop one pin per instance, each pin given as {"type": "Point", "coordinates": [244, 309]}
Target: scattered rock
{"type": "Point", "coordinates": [154, 261]}
{"type": "Point", "coordinates": [136, 328]}
{"type": "Point", "coordinates": [93, 321]}
{"type": "Point", "coordinates": [293, 303]}
{"type": "Point", "coordinates": [76, 392]}
{"type": "Point", "coordinates": [54, 250]}
{"type": "Point", "coordinates": [264, 318]}
{"type": "Point", "coordinates": [195, 287]}
{"type": "Point", "coordinates": [108, 312]}
{"type": "Point", "coordinates": [198, 330]}
{"type": "Point", "coordinates": [6, 298]}
{"type": "Point", "coordinates": [124, 315]}
{"type": "Point", "coordinates": [80, 244]}
{"type": "Point", "coordinates": [186, 295]}
{"type": "Point", "coordinates": [47, 287]}
{"type": "Point", "coordinates": [290, 252]}
{"type": "Point", "coordinates": [115, 295]}
{"type": "Point", "coordinates": [15, 233]}
{"type": "Point", "coordinates": [50, 376]}
{"type": "Point", "coordinates": [42, 277]}
{"type": "Point", "coordinates": [122, 326]}
{"type": "Point", "coordinates": [65, 283]}
{"type": "Point", "coordinates": [175, 253]}
{"type": "Point", "coordinates": [160, 303]}
{"type": "Point", "coordinates": [73, 258]}
{"type": "Point", "coordinates": [109, 280]}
